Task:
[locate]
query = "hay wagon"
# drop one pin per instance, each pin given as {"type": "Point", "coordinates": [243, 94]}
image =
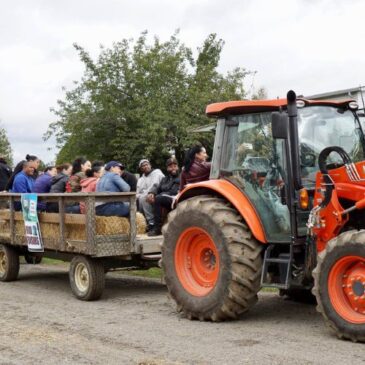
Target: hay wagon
{"type": "Point", "coordinates": [93, 244]}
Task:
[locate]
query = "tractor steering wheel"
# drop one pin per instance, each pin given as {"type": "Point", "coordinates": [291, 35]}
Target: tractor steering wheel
{"type": "Point", "coordinates": [322, 158]}
{"type": "Point", "coordinates": [323, 167]}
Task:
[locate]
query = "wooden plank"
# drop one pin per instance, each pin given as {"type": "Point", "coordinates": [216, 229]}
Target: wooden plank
{"type": "Point", "coordinates": [90, 222]}
{"type": "Point", "coordinates": [12, 220]}
{"type": "Point", "coordinates": [133, 222]}
{"type": "Point", "coordinates": [70, 196]}
{"type": "Point", "coordinates": [148, 245]}
{"type": "Point", "coordinates": [62, 225]}
{"type": "Point", "coordinates": [47, 217]}
{"type": "Point", "coordinates": [112, 238]}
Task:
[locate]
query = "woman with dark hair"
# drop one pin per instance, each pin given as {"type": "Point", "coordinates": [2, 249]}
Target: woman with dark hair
{"type": "Point", "coordinates": [58, 184]}
{"type": "Point", "coordinates": [19, 167]}
{"type": "Point", "coordinates": [79, 168]}
{"type": "Point", "coordinates": [196, 168]}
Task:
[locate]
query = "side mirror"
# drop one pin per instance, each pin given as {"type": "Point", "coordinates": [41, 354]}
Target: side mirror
{"type": "Point", "coordinates": [280, 125]}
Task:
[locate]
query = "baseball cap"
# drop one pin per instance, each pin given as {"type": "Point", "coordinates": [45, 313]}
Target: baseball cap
{"type": "Point", "coordinates": [143, 161]}
{"type": "Point", "coordinates": [171, 160]}
{"type": "Point", "coordinates": [111, 164]}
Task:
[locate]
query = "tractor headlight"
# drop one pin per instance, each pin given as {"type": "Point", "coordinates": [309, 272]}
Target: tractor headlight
{"type": "Point", "coordinates": [353, 105]}
{"type": "Point", "coordinates": [300, 103]}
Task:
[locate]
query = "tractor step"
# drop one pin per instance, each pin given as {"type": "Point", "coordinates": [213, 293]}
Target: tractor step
{"type": "Point", "coordinates": [283, 263]}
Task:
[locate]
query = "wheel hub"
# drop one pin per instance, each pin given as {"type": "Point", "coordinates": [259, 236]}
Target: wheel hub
{"type": "Point", "coordinates": [82, 277]}
{"type": "Point", "coordinates": [354, 287]}
{"type": "Point", "coordinates": [346, 288]}
{"type": "Point", "coordinates": [2, 262]}
{"type": "Point", "coordinates": [197, 261]}
{"type": "Point", "coordinates": [358, 288]}
{"type": "Point", "coordinates": [208, 259]}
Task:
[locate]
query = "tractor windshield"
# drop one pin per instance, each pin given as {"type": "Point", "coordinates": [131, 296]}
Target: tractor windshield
{"type": "Point", "coordinates": [323, 126]}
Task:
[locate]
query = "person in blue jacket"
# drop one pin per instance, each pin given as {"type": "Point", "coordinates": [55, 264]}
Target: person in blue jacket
{"type": "Point", "coordinates": [113, 182]}
{"type": "Point", "coordinates": [23, 181]}
{"type": "Point", "coordinates": [43, 183]}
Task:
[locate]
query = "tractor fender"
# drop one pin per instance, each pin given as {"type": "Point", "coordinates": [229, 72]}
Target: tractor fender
{"type": "Point", "coordinates": [234, 195]}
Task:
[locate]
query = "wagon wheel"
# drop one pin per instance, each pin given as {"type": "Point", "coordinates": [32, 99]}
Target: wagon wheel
{"type": "Point", "coordinates": [9, 263]}
{"type": "Point", "coordinates": [87, 278]}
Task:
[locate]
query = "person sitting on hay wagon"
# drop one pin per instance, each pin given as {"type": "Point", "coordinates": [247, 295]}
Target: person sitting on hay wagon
{"type": "Point", "coordinates": [88, 185]}
{"type": "Point", "coordinates": [23, 182]}
{"type": "Point", "coordinates": [149, 178]}
{"type": "Point", "coordinates": [162, 195]}
{"type": "Point", "coordinates": [112, 182]}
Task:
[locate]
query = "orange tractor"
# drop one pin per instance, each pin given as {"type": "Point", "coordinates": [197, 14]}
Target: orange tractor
{"type": "Point", "coordinates": [284, 208]}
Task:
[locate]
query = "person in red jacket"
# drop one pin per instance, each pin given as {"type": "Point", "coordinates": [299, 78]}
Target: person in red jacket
{"type": "Point", "coordinates": [196, 168]}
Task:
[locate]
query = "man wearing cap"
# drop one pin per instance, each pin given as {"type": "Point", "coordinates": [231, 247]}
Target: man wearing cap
{"type": "Point", "coordinates": [148, 179]}
{"type": "Point", "coordinates": [162, 195]}
{"type": "Point", "coordinates": [113, 182]}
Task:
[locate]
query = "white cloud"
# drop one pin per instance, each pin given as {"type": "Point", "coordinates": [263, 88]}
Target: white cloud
{"type": "Point", "coordinates": [310, 46]}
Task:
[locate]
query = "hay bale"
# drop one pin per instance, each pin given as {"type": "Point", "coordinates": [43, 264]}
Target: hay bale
{"type": "Point", "coordinates": [141, 223]}
{"type": "Point", "coordinates": [104, 226]}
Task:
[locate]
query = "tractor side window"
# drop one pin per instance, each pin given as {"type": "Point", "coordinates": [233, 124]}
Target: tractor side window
{"type": "Point", "coordinates": [252, 156]}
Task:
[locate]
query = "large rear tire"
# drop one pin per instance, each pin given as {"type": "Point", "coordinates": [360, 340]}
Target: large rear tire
{"type": "Point", "coordinates": [339, 285]}
{"type": "Point", "coordinates": [212, 263]}
{"type": "Point", "coordinates": [9, 263]}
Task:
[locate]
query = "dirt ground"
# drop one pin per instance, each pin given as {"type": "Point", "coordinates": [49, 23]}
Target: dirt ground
{"type": "Point", "coordinates": [135, 323]}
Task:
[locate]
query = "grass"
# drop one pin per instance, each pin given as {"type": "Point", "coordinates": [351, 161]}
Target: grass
{"type": "Point", "coordinates": [154, 273]}
{"type": "Point", "coordinates": [270, 290]}
{"type": "Point", "coordinates": [48, 261]}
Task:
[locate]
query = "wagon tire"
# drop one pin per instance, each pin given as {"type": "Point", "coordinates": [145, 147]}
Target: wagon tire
{"type": "Point", "coordinates": [339, 285]}
{"type": "Point", "coordinates": [87, 278]}
{"type": "Point", "coordinates": [222, 279]}
{"type": "Point", "coordinates": [9, 263]}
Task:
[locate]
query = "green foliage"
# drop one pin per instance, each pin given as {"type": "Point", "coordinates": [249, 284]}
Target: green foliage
{"type": "Point", "coordinates": [5, 147]}
{"type": "Point", "coordinates": [140, 100]}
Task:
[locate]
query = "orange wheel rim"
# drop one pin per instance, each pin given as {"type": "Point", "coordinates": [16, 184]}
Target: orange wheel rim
{"type": "Point", "coordinates": [346, 288]}
{"type": "Point", "coordinates": [197, 261]}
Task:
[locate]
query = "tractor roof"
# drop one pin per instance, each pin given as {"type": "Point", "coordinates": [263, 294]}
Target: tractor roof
{"type": "Point", "coordinates": [256, 106]}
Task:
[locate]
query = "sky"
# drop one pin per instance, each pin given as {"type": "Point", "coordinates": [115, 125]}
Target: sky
{"type": "Point", "coordinates": [310, 46]}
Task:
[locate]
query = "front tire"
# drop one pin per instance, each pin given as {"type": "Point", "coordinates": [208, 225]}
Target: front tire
{"type": "Point", "coordinates": [212, 264]}
{"type": "Point", "coordinates": [87, 278]}
{"type": "Point", "coordinates": [339, 285]}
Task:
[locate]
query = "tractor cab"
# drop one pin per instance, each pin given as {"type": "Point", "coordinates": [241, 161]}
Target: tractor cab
{"type": "Point", "coordinates": [275, 162]}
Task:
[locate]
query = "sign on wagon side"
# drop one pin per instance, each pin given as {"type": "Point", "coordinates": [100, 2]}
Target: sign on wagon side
{"type": "Point", "coordinates": [32, 228]}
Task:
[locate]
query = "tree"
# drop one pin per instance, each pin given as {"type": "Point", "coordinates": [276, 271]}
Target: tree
{"type": "Point", "coordinates": [5, 147]}
{"type": "Point", "coordinates": [139, 100]}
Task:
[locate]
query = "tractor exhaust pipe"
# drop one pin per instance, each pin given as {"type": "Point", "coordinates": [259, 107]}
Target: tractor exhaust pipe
{"type": "Point", "coordinates": [294, 140]}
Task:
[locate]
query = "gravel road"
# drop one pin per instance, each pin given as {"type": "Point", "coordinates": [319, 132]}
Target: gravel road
{"type": "Point", "coordinates": [135, 323]}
